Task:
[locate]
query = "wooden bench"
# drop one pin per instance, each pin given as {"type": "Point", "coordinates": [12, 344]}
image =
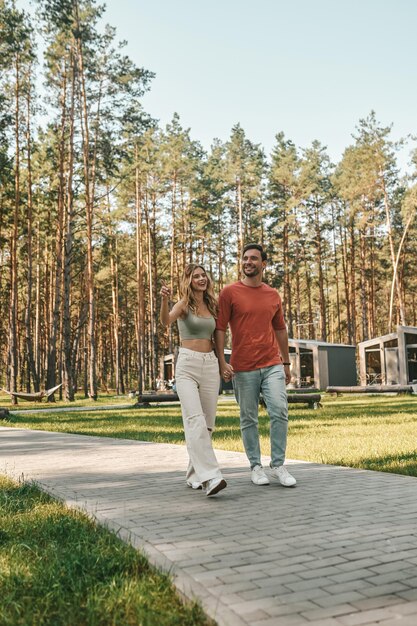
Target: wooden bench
{"type": "Point", "coordinates": [312, 399]}
{"type": "Point", "coordinates": [371, 389]}
{"type": "Point", "coordinates": [146, 399]}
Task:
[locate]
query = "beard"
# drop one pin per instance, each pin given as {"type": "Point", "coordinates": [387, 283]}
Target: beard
{"type": "Point", "coordinates": [251, 271]}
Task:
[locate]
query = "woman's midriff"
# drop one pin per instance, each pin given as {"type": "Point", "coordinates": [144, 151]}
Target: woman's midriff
{"type": "Point", "coordinates": [198, 345]}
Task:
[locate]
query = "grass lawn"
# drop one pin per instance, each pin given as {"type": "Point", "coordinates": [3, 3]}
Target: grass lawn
{"type": "Point", "coordinates": [59, 568]}
{"type": "Point", "coordinates": [371, 432]}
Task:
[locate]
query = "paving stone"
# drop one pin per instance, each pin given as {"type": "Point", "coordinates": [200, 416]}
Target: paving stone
{"type": "Point", "coordinates": [384, 568]}
{"type": "Point", "coordinates": [352, 575]}
{"type": "Point", "coordinates": [327, 621]}
{"type": "Point", "coordinates": [407, 620]}
{"type": "Point", "coordinates": [286, 620]}
{"type": "Point", "coordinates": [398, 574]}
{"type": "Point", "coordinates": [329, 571]}
{"type": "Point", "coordinates": [377, 602]}
{"type": "Point", "coordinates": [359, 564]}
{"type": "Point", "coordinates": [380, 590]}
{"type": "Point", "coordinates": [347, 597]}
{"type": "Point", "coordinates": [364, 617]}
{"type": "Point", "coordinates": [278, 610]}
{"type": "Point", "coordinates": [332, 611]}
{"type": "Point", "coordinates": [337, 588]}
{"type": "Point", "coordinates": [405, 608]}
{"type": "Point", "coordinates": [409, 594]}
{"type": "Point", "coordinates": [311, 583]}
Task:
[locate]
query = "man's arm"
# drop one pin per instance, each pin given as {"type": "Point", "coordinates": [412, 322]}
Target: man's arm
{"type": "Point", "coordinates": [226, 370]}
{"type": "Point", "coordinates": [223, 319]}
{"type": "Point", "coordinates": [282, 339]}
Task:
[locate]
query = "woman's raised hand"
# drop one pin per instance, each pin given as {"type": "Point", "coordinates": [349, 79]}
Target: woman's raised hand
{"type": "Point", "coordinates": [165, 292]}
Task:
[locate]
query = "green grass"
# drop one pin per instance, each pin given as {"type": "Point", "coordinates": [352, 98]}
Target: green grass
{"type": "Point", "coordinates": [58, 568]}
{"type": "Point", "coordinates": [371, 432]}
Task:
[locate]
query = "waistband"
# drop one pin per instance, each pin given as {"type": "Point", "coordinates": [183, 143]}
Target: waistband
{"type": "Point", "coordinates": [204, 356]}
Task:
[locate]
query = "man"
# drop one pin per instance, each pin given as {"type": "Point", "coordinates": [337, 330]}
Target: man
{"type": "Point", "coordinates": [259, 361]}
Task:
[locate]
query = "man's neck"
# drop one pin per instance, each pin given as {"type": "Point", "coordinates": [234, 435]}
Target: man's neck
{"type": "Point", "coordinates": [252, 281]}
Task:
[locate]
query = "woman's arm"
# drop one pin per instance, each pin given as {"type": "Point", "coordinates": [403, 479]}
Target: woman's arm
{"type": "Point", "coordinates": [167, 316]}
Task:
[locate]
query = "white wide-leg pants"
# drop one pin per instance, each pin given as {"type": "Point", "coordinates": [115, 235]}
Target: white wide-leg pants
{"type": "Point", "coordinates": [197, 381]}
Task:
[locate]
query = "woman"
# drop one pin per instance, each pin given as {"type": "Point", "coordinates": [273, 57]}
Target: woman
{"type": "Point", "coordinates": [197, 377]}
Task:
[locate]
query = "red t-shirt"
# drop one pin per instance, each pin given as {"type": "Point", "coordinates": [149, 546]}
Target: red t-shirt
{"type": "Point", "coordinates": [254, 314]}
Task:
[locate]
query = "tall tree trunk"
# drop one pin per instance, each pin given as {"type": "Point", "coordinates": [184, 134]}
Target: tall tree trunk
{"type": "Point", "coordinates": [114, 272]}
{"type": "Point", "coordinates": [89, 207]}
{"type": "Point", "coordinates": [139, 276]}
{"type": "Point", "coordinates": [173, 249]}
{"type": "Point", "coordinates": [343, 247]}
{"type": "Point", "coordinates": [395, 281]}
{"type": "Point", "coordinates": [13, 339]}
{"type": "Point", "coordinates": [352, 278]}
{"type": "Point", "coordinates": [240, 225]}
{"type": "Point", "coordinates": [287, 281]}
{"type": "Point", "coordinates": [56, 309]}
{"type": "Point", "coordinates": [364, 295]}
{"type": "Point", "coordinates": [31, 364]}
{"type": "Point", "coordinates": [322, 298]}
{"type": "Point", "coordinates": [311, 326]}
{"type": "Point", "coordinates": [69, 373]}
{"type": "Point", "coordinates": [38, 350]}
{"type": "Point", "coordinates": [395, 277]}
{"type": "Point", "coordinates": [336, 277]}
{"type": "Point", "coordinates": [152, 318]}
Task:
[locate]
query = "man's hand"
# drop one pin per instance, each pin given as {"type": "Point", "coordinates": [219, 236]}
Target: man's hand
{"type": "Point", "coordinates": [287, 374]}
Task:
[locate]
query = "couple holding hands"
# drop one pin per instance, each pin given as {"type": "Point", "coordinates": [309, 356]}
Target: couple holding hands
{"type": "Point", "coordinates": [259, 364]}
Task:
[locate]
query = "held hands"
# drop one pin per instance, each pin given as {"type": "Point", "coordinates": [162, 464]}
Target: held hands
{"type": "Point", "coordinates": [227, 372]}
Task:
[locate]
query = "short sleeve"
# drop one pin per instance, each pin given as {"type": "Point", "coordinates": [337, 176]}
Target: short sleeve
{"type": "Point", "coordinates": [278, 321]}
{"type": "Point", "coordinates": [225, 310]}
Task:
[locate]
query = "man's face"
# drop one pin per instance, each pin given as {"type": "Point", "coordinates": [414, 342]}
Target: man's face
{"type": "Point", "coordinates": [252, 263]}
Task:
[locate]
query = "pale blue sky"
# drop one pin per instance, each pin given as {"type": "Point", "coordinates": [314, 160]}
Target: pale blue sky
{"type": "Point", "coordinates": [311, 68]}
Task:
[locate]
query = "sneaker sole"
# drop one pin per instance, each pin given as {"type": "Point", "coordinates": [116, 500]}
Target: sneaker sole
{"type": "Point", "coordinates": [195, 488]}
{"type": "Point", "coordinates": [261, 484]}
{"type": "Point", "coordinates": [282, 485]}
{"type": "Point", "coordinates": [222, 484]}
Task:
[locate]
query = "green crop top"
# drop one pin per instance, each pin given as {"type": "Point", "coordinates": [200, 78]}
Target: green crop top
{"type": "Point", "coordinates": [195, 327]}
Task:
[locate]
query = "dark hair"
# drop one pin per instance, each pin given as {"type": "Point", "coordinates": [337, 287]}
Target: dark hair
{"type": "Point", "coordinates": [255, 246]}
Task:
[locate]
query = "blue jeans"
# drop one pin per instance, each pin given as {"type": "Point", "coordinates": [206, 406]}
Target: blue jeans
{"type": "Point", "coordinates": [270, 381]}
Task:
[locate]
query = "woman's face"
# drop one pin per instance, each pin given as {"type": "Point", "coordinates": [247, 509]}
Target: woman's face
{"type": "Point", "coordinates": [199, 279]}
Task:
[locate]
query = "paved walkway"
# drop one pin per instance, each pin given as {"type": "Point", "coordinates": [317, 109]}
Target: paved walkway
{"type": "Point", "coordinates": [339, 549]}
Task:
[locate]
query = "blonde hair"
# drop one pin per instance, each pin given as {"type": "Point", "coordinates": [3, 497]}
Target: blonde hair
{"type": "Point", "coordinates": [187, 293]}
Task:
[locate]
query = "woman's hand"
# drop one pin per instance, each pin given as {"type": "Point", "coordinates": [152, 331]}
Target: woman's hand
{"type": "Point", "coordinates": [165, 315]}
{"type": "Point", "coordinates": [165, 292]}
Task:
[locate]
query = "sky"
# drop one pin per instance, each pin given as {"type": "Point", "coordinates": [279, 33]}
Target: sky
{"type": "Point", "coordinates": [309, 68]}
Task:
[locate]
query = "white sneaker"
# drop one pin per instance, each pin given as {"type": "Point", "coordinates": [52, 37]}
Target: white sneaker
{"type": "Point", "coordinates": [258, 476]}
{"type": "Point", "coordinates": [194, 485]}
{"type": "Point", "coordinates": [283, 475]}
{"type": "Point", "coordinates": [214, 485]}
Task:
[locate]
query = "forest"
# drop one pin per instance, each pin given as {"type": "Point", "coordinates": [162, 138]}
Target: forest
{"type": "Point", "coordinates": [100, 205]}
